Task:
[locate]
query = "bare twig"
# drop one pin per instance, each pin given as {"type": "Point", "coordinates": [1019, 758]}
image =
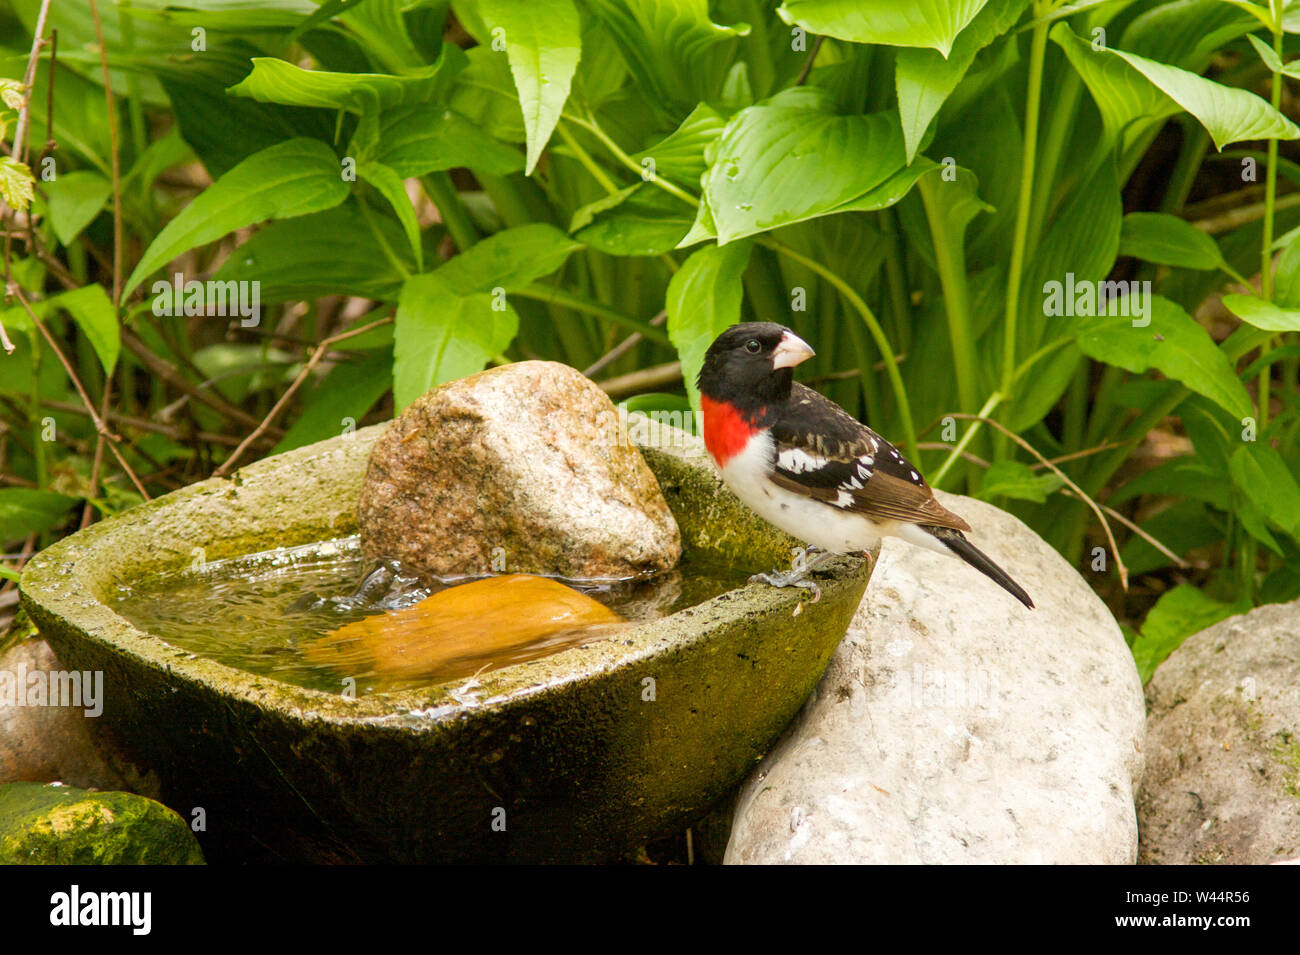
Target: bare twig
{"type": "Point", "coordinates": [622, 348]}
{"type": "Point", "coordinates": [1138, 531]}
{"type": "Point", "coordinates": [808, 63]}
{"type": "Point", "coordinates": [100, 426]}
{"type": "Point", "coordinates": [1114, 548]}
{"type": "Point", "coordinates": [647, 379]}
{"type": "Point", "coordinates": [29, 79]}
{"type": "Point", "coordinates": [321, 351]}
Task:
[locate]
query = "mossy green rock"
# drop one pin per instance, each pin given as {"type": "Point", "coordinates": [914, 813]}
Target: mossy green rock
{"type": "Point", "coordinates": [44, 824]}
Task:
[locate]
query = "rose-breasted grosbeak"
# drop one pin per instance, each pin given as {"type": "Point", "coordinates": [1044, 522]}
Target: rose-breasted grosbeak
{"type": "Point", "coordinates": [807, 466]}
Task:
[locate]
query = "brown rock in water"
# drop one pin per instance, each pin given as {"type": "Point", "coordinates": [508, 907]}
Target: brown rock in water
{"type": "Point", "coordinates": [515, 469]}
{"type": "Point", "coordinates": [464, 629]}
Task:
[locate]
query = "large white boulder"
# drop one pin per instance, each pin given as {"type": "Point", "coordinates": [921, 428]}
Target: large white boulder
{"type": "Point", "coordinates": [954, 725]}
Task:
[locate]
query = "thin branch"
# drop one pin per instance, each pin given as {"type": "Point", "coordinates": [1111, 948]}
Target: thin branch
{"type": "Point", "coordinates": [1139, 532]}
{"type": "Point", "coordinates": [1114, 548]}
{"type": "Point", "coordinates": [647, 379]}
{"type": "Point", "coordinates": [29, 79]}
{"type": "Point", "coordinates": [808, 63]}
{"type": "Point", "coordinates": [321, 351]}
{"type": "Point", "coordinates": [174, 432]}
{"type": "Point", "coordinates": [622, 348]}
{"type": "Point", "coordinates": [100, 426]}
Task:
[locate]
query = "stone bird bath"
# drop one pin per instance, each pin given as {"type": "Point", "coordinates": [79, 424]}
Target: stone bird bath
{"type": "Point", "coordinates": [562, 759]}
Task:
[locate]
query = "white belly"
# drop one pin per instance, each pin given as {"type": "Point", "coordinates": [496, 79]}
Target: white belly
{"type": "Point", "coordinates": [810, 521]}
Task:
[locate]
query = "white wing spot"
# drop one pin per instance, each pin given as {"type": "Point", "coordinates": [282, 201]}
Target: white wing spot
{"type": "Point", "coordinates": [844, 499]}
{"type": "Point", "coordinates": [797, 460]}
{"type": "Point", "coordinates": [915, 476]}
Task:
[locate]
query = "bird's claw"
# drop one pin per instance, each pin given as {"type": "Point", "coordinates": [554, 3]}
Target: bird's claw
{"type": "Point", "coordinates": [790, 579]}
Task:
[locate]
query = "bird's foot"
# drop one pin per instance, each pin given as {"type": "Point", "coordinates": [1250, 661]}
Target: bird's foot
{"type": "Point", "coordinates": [790, 578]}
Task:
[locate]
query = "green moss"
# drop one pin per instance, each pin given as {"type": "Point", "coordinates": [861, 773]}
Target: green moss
{"type": "Point", "coordinates": [62, 825]}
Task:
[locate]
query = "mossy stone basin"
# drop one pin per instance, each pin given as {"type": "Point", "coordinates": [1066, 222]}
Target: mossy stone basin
{"type": "Point", "coordinates": [576, 757]}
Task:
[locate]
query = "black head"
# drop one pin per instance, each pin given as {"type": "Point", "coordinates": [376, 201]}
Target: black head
{"type": "Point", "coordinates": [752, 364]}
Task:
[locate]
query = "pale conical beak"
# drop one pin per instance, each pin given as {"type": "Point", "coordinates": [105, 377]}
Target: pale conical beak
{"type": "Point", "coordinates": [790, 351]}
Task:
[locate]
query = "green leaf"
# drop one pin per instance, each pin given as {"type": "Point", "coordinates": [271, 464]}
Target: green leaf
{"type": "Point", "coordinates": [1173, 343]}
{"type": "Point", "coordinates": [321, 254]}
{"type": "Point", "coordinates": [1168, 240]}
{"type": "Point", "coordinates": [679, 156]}
{"type": "Point", "coordinates": [1270, 58]}
{"type": "Point", "coordinates": [543, 41]}
{"type": "Point", "coordinates": [644, 220]}
{"type": "Point", "coordinates": [917, 23]}
{"type": "Point", "coordinates": [347, 392]}
{"type": "Point", "coordinates": [670, 47]}
{"type": "Point", "coordinates": [485, 94]}
{"type": "Point", "coordinates": [1258, 470]}
{"type": "Point", "coordinates": [1177, 615]}
{"type": "Point", "coordinates": [703, 301]}
{"type": "Point", "coordinates": [441, 336]}
{"type": "Point", "coordinates": [510, 259]}
{"type": "Point", "coordinates": [16, 184]}
{"type": "Point", "coordinates": [393, 189]}
{"type": "Point", "coordinates": [290, 179]}
{"type": "Point", "coordinates": [1254, 310]}
{"type": "Point", "coordinates": [924, 78]}
{"type": "Point", "coordinates": [26, 511]}
{"type": "Point", "coordinates": [75, 199]}
{"type": "Point", "coordinates": [1228, 114]}
{"type": "Point", "coordinates": [276, 81]}
{"type": "Point", "coordinates": [91, 309]}
{"type": "Point", "coordinates": [1016, 480]}
{"type": "Point", "coordinates": [776, 165]}
{"type": "Point", "coordinates": [416, 140]}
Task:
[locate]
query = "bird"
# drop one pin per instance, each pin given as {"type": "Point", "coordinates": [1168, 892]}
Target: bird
{"type": "Point", "coordinates": [807, 466]}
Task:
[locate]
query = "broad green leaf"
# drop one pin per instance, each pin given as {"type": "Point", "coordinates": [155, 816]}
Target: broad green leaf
{"type": "Point", "coordinates": [1256, 311]}
{"type": "Point", "coordinates": [290, 179]}
{"type": "Point", "coordinates": [321, 254]}
{"type": "Point", "coordinates": [75, 199]}
{"type": "Point", "coordinates": [1186, 33]}
{"type": "Point", "coordinates": [644, 221]}
{"type": "Point", "coordinates": [1177, 615]}
{"type": "Point", "coordinates": [26, 511]}
{"type": "Point", "coordinates": [543, 42]}
{"type": "Point", "coordinates": [916, 23]}
{"type": "Point", "coordinates": [1128, 103]}
{"type": "Point", "coordinates": [924, 78]}
{"type": "Point", "coordinates": [393, 189]}
{"type": "Point", "coordinates": [1016, 480]}
{"type": "Point", "coordinates": [1286, 277]}
{"type": "Point", "coordinates": [1173, 343]}
{"type": "Point", "coordinates": [679, 156]}
{"type": "Point", "coordinates": [776, 165]}
{"type": "Point", "coordinates": [1228, 114]}
{"type": "Point", "coordinates": [703, 301]}
{"type": "Point", "coordinates": [342, 398]}
{"type": "Point", "coordinates": [1042, 387]}
{"type": "Point", "coordinates": [670, 47]}
{"type": "Point", "coordinates": [441, 336]}
{"type": "Point", "coordinates": [485, 94]}
{"type": "Point", "coordinates": [425, 138]}
{"type": "Point", "coordinates": [1258, 470]}
{"type": "Point", "coordinates": [276, 81]}
{"type": "Point", "coordinates": [510, 259]}
{"type": "Point", "coordinates": [1168, 240]}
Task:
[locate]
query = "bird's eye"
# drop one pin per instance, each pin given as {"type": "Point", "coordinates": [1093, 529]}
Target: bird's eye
{"type": "Point", "coordinates": [753, 347]}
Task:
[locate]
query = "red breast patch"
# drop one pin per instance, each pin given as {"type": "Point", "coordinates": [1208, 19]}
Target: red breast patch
{"type": "Point", "coordinates": [726, 432]}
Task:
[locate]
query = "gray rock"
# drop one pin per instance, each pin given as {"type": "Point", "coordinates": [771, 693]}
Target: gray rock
{"type": "Point", "coordinates": [63, 825]}
{"type": "Point", "coordinates": [516, 469]}
{"type": "Point", "coordinates": [1223, 745]}
{"type": "Point", "coordinates": [955, 726]}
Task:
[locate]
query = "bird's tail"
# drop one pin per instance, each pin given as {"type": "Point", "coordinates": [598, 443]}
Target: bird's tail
{"type": "Point", "coordinates": [956, 542]}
